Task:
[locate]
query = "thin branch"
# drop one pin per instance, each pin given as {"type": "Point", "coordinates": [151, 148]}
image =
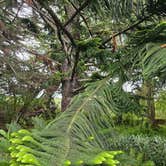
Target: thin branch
{"type": "Point", "coordinates": [83, 18]}
{"type": "Point", "coordinates": [60, 38]}
{"type": "Point", "coordinates": [50, 22]}
{"type": "Point", "coordinates": [84, 5]}
{"type": "Point", "coordinates": [62, 41]}
{"type": "Point", "coordinates": [19, 8]}
{"type": "Point", "coordinates": [126, 29]}
{"type": "Point", "coordinates": [77, 55]}
{"type": "Point", "coordinates": [47, 19]}
{"type": "Point", "coordinates": [42, 55]}
{"type": "Point", "coordinates": [78, 90]}
{"type": "Point", "coordinates": [58, 23]}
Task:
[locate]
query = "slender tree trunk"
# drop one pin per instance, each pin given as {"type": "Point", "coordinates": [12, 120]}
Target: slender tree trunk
{"type": "Point", "coordinates": [150, 102]}
{"type": "Point", "coordinates": [66, 94]}
{"type": "Point", "coordinates": [2, 120]}
{"type": "Point", "coordinates": [70, 81]}
{"type": "Point", "coordinates": [68, 86]}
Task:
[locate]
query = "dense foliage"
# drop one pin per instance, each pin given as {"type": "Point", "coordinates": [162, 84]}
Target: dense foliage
{"type": "Point", "coordinates": [105, 59]}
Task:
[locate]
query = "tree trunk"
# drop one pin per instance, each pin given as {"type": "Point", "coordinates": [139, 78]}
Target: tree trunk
{"type": "Point", "coordinates": [67, 92]}
{"type": "Point", "coordinates": [68, 86]}
{"type": "Point", "coordinates": [151, 103]}
{"type": "Point", "coordinates": [70, 80]}
{"type": "Point", "coordinates": [2, 120]}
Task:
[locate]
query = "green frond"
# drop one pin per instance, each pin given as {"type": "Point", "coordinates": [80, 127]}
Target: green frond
{"type": "Point", "coordinates": [80, 136]}
{"type": "Point", "coordinates": [154, 62]}
{"type": "Point", "coordinates": [152, 33]}
{"type": "Point", "coordinates": [146, 53]}
{"type": "Point", "coordinates": [80, 126]}
{"type": "Point", "coordinates": [118, 9]}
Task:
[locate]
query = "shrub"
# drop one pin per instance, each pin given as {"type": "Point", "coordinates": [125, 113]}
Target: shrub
{"type": "Point", "coordinates": [153, 148]}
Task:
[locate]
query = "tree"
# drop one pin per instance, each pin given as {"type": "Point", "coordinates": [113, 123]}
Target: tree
{"type": "Point", "coordinates": [80, 135]}
{"type": "Point", "coordinates": [77, 45]}
{"type": "Point", "coordinates": [149, 55]}
{"type": "Point", "coordinates": [19, 76]}
{"type": "Point", "coordinates": [64, 35]}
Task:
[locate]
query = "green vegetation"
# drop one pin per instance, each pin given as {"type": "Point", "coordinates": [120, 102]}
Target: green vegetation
{"type": "Point", "coordinates": [82, 83]}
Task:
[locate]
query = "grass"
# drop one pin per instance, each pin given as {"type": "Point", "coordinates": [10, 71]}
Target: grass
{"type": "Point", "coordinates": [161, 114]}
{"type": "Point", "coordinates": [140, 130]}
{"type": "Point", "coordinates": [136, 125]}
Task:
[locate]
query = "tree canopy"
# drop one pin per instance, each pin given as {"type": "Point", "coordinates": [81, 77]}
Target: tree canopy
{"type": "Point", "coordinates": [88, 50]}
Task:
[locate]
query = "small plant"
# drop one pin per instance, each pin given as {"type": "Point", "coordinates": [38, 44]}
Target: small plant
{"type": "Point", "coordinates": [4, 145]}
{"type": "Point", "coordinates": [153, 148]}
{"type": "Point", "coordinates": [134, 158]}
{"type": "Point", "coordinates": [20, 152]}
{"type": "Point", "coordinates": [105, 158]}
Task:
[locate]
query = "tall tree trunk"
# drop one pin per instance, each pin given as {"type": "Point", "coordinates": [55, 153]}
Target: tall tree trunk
{"type": "Point", "coordinates": [150, 102]}
{"type": "Point", "coordinates": [70, 81]}
{"type": "Point", "coordinates": [68, 86]}
{"type": "Point", "coordinates": [67, 93]}
{"type": "Point", "coordinates": [2, 120]}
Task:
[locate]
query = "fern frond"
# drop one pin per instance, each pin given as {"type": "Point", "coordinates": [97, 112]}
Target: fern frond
{"type": "Point", "coordinates": [154, 62]}
{"type": "Point", "coordinates": [80, 125]}
{"type": "Point", "coordinates": [76, 133]}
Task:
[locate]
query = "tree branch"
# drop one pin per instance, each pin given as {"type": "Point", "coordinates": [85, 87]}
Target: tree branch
{"type": "Point", "coordinates": [56, 20]}
{"type": "Point", "coordinates": [126, 29]}
{"type": "Point", "coordinates": [47, 19]}
{"type": "Point", "coordinates": [18, 10]}
{"type": "Point", "coordinates": [77, 55]}
{"type": "Point", "coordinates": [83, 18]}
{"type": "Point", "coordinates": [58, 23]}
{"type": "Point", "coordinates": [84, 5]}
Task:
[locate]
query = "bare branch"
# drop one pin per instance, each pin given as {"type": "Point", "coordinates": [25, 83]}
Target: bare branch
{"type": "Point", "coordinates": [18, 10]}
{"type": "Point", "coordinates": [126, 29]}
{"type": "Point", "coordinates": [83, 18]}
{"type": "Point", "coordinates": [77, 55]}
{"type": "Point", "coordinates": [84, 5]}
{"type": "Point", "coordinates": [58, 23]}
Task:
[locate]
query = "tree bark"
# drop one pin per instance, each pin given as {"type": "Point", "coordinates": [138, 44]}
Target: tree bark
{"type": "Point", "coordinates": [151, 103]}
{"type": "Point", "coordinates": [2, 120]}
{"type": "Point", "coordinates": [68, 86]}
{"type": "Point", "coordinates": [70, 80]}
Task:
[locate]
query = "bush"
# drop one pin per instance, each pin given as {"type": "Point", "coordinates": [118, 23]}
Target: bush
{"type": "Point", "coordinates": [153, 148]}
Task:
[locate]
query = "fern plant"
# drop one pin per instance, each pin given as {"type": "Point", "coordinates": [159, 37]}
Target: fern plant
{"type": "Point", "coordinates": [23, 153]}
{"type": "Point", "coordinates": [4, 145]}
{"type": "Point", "coordinates": [75, 134]}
